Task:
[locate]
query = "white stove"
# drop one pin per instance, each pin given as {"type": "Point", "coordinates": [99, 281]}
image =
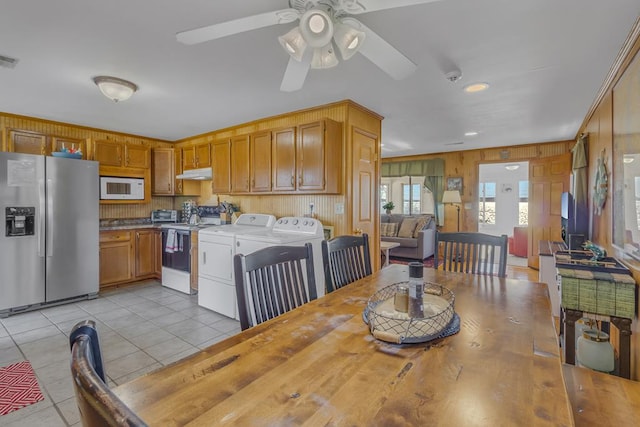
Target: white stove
{"type": "Point", "coordinates": [288, 231]}
{"type": "Point", "coordinates": [216, 249]}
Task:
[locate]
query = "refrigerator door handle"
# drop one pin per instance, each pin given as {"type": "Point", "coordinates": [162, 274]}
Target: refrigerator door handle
{"type": "Point", "coordinates": [41, 218]}
{"type": "Point", "coordinates": [49, 241]}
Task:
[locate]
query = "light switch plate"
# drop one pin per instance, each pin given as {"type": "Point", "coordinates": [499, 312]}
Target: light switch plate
{"type": "Point", "coordinates": [339, 208]}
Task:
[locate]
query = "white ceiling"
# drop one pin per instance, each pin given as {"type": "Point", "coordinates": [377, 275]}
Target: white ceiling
{"type": "Point", "coordinates": [544, 59]}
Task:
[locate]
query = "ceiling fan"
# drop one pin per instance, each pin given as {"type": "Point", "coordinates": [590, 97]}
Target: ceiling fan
{"type": "Point", "coordinates": [324, 25]}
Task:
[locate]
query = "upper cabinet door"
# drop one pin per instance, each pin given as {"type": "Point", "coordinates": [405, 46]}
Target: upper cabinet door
{"type": "Point", "coordinates": [137, 156]}
{"type": "Point", "coordinates": [310, 157]}
{"type": "Point", "coordinates": [162, 172]}
{"type": "Point", "coordinates": [240, 164]}
{"type": "Point", "coordinates": [319, 157]}
{"type": "Point", "coordinates": [284, 160]}
{"type": "Point", "coordinates": [108, 153]}
{"type": "Point", "coordinates": [188, 158]}
{"type": "Point", "coordinates": [203, 155]}
{"type": "Point", "coordinates": [60, 143]}
{"type": "Point", "coordinates": [27, 142]}
{"type": "Point", "coordinates": [260, 162]}
{"type": "Point", "coordinates": [221, 182]}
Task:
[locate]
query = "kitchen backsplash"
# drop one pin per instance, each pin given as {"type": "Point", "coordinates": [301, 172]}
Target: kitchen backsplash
{"type": "Point", "coordinates": [121, 211]}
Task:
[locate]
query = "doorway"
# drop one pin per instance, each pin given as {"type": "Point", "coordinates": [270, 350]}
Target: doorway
{"type": "Point", "coordinates": [503, 205]}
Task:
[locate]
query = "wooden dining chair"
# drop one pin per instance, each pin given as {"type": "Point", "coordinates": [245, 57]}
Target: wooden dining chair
{"type": "Point", "coordinates": [346, 259]}
{"type": "Point", "coordinates": [475, 253]}
{"type": "Point", "coordinates": [98, 406]}
{"type": "Point", "coordinates": [272, 281]}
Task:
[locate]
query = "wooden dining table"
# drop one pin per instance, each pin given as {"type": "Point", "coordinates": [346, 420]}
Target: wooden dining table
{"type": "Point", "coordinates": [320, 365]}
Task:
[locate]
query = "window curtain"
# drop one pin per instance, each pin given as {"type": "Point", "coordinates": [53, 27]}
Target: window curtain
{"type": "Point", "coordinates": [432, 170]}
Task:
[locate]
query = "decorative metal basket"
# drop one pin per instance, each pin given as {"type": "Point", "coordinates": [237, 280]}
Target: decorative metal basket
{"type": "Point", "coordinates": [389, 325]}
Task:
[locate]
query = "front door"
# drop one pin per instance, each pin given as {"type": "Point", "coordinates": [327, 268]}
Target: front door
{"type": "Point", "coordinates": [548, 179]}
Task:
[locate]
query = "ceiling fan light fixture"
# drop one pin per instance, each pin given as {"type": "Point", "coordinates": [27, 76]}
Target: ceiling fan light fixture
{"type": "Point", "coordinates": [293, 43]}
{"type": "Point", "coordinates": [324, 57]}
{"type": "Point", "coordinates": [316, 27]}
{"type": "Point", "coordinates": [114, 88]}
{"type": "Point", "coordinates": [348, 39]}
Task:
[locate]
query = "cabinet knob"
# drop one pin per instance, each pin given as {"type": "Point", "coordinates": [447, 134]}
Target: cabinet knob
{"type": "Point", "coordinates": [169, 186]}
{"type": "Point", "coordinates": [293, 180]}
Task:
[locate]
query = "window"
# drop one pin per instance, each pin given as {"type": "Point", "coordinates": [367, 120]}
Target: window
{"type": "Point", "coordinates": [411, 198]}
{"type": "Point", "coordinates": [384, 194]}
{"type": "Point", "coordinates": [487, 208]}
{"type": "Point", "coordinates": [523, 202]}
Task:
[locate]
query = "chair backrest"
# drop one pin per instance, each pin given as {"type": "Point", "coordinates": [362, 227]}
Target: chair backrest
{"type": "Point", "coordinates": [272, 281]}
{"type": "Point", "coordinates": [346, 259]}
{"type": "Point", "coordinates": [475, 253]}
{"type": "Point", "coordinates": [98, 406]}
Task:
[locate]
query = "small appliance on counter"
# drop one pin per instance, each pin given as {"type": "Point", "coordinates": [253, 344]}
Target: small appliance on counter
{"type": "Point", "coordinates": [187, 208]}
{"type": "Point", "coordinates": [164, 215]}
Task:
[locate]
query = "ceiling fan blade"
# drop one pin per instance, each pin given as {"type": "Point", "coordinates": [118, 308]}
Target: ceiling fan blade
{"type": "Point", "coordinates": [296, 72]}
{"type": "Point", "coordinates": [248, 23]}
{"type": "Point", "coordinates": [386, 57]}
{"type": "Point", "coordinates": [364, 6]}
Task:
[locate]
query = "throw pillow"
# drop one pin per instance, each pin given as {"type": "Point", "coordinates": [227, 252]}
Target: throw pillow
{"type": "Point", "coordinates": [422, 221]}
{"type": "Point", "coordinates": [388, 229]}
{"type": "Point", "coordinates": [407, 227]}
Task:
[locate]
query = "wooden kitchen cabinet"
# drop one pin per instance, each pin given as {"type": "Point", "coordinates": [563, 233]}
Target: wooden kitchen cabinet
{"type": "Point", "coordinates": [284, 160]}
{"type": "Point", "coordinates": [166, 164]}
{"type": "Point", "coordinates": [119, 154]}
{"type": "Point", "coordinates": [145, 253]}
{"type": "Point", "coordinates": [26, 142]}
{"type": "Point", "coordinates": [317, 170]}
{"type": "Point", "coordinates": [221, 153]}
{"type": "Point", "coordinates": [59, 143]}
{"type": "Point", "coordinates": [196, 156]}
{"type": "Point", "coordinates": [108, 153]}
{"type": "Point", "coordinates": [240, 164]}
{"type": "Point", "coordinates": [260, 162]}
{"type": "Point", "coordinates": [163, 172]}
{"type": "Point", "coordinates": [309, 159]}
{"type": "Point", "coordinates": [130, 255]}
{"type": "Point", "coordinates": [137, 156]}
{"type": "Point", "coordinates": [116, 257]}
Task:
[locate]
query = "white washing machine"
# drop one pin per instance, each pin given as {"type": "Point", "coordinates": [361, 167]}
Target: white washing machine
{"type": "Point", "coordinates": [216, 248]}
{"type": "Point", "coordinates": [288, 231]}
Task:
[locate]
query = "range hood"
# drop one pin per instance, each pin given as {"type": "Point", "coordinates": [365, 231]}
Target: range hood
{"type": "Point", "coordinates": [196, 174]}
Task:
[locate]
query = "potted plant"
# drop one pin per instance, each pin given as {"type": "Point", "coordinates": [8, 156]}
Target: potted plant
{"type": "Point", "coordinates": [388, 207]}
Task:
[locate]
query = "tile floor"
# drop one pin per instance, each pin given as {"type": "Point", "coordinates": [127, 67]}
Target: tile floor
{"type": "Point", "coordinates": [141, 328]}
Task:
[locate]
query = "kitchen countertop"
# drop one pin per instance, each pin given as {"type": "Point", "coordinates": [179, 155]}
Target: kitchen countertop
{"type": "Point", "coordinates": [129, 227]}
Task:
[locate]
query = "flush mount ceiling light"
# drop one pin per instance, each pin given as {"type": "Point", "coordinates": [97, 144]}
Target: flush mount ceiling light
{"type": "Point", "coordinates": [476, 87]}
{"type": "Point", "coordinates": [512, 167]}
{"type": "Point", "coordinates": [114, 88]}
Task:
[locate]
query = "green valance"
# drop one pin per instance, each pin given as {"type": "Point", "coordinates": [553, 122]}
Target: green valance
{"type": "Point", "coordinates": [433, 167]}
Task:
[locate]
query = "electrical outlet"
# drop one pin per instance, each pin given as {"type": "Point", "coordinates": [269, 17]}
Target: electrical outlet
{"type": "Point", "coordinates": [339, 208]}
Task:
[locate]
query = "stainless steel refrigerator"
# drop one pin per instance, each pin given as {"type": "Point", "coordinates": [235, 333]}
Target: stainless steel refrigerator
{"type": "Point", "coordinates": [50, 246]}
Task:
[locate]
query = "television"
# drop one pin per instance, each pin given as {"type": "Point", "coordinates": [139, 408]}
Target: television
{"type": "Point", "coordinates": [574, 222]}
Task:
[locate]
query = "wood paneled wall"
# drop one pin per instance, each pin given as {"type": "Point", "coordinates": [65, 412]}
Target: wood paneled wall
{"type": "Point", "coordinates": [47, 127]}
{"type": "Point", "coordinates": [465, 164]}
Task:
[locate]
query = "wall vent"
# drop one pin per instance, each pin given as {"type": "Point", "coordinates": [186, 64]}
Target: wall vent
{"type": "Point", "coordinates": [7, 62]}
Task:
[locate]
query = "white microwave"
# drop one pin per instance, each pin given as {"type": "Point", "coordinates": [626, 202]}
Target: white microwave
{"type": "Point", "coordinates": [116, 188]}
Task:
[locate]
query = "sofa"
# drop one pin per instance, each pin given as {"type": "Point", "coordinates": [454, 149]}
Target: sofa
{"type": "Point", "coordinates": [417, 237]}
